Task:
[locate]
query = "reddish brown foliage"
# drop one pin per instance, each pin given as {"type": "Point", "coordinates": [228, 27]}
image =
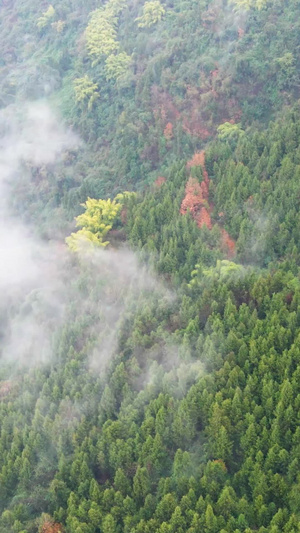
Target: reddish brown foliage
{"type": "Point", "coordinates": [205, 188]}
{"type": "Point", "coordinates": [196, 201]}
{"type": "Point", "coordinates": [193, 127]}
{"type": "Point", "coordinates": [203, 218]}
{"type": "Point", "coordinates": [159, 181]}
{"type": "Point", "coordinates": [209, 17]}
{"type": "Point", "coordinates": [193, 199]}
{"type": "Point", "coordinates": [228, 243]}
{"type": "Point", "coordinates": [196, 194]}
{"type": "Point", "coordinates": [241, 33]}
{"type": "Point", "coordinates": [233, 110]}
{"type": "Point", "coordinates": [124, 215]}
{"type": "Point", "coordinates": [191, 91]}
{"type": "Point", "coordinates": [196, 204]}
{"type": "Point", "coordinates": [116, 236]}
{"type": "Point", "coordinates": [289, 298]}
{"type": "Point", "coordinates": [5, 388]}
{"type": "Point", "coordinates": [151, 153]}
{"type": "Point", "coordinates": [51, 527]}
{"type": "Point", "coordinates": [221, 462]}
{"type": "Point", "coordinates": [168, 131]}
{"type": "Point", "coordinates": [198, 160]}
{"type": "Point", "coordinates": [163, 106]}
{"type": "Point", "coordinates": [214, 93]}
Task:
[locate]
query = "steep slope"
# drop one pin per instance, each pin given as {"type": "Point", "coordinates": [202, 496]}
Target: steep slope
{"type": "Point", "coordinates": [158, 390]}
{"type": "Point", "coordinates": [200, 65]}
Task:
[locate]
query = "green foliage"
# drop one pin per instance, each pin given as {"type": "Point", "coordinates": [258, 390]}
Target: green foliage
{"type": "Point", "coordinates": [243, 193]}
{"type": "Point", "coordinates": [154, 443]}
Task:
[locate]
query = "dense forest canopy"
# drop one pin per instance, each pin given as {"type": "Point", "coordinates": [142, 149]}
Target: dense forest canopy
{"type": "Point", "coordinates": [150, 266]}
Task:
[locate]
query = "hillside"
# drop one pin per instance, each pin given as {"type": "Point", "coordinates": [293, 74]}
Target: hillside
{"type": "Point", "coordinates": [150, 363]}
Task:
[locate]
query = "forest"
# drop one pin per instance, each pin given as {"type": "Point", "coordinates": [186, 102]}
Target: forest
{"type": "Point", "coordinates": [150, 266]}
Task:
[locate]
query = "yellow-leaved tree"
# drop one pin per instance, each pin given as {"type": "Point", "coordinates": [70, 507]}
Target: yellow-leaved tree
{"type": "Point", "coordinates": [59, 25]}
{"type": "Point", "coordinates": [86, 91]}
{"type": "Point", "coordinates": [96, 221]}
{"type": "Point", "coordinates": [125, 197]}
{"type": "Point", "coordinates": [228, 131]}
{"type": "Point", "coordinates": [101, 35]}
{"type": "Point", "coordinates": [46, 17]}
{"type": "Point", "coordinates": [248, 4]}
{"type": "Point", "coordinates": [101, 39]}
{"type": "Point", "coordinates": [223, 270]}
{"type": "Point", "coordinates": [115, 6]}
{"type": "Point", "coordinates": [153, 12]}
{"type": "Point", "coordinates": [117, 65]}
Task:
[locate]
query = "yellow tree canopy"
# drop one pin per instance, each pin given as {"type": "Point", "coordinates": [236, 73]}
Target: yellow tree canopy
{"type": "Point", "coordinates": [98, 212]}
{"type": "Point", "coordinates": [228, 131]}
{"type": "Point", "coordinates": [59, 25]}
{"type": "Point", "coordinates": [96, 221]}
{"type": "Point", "coordinates": [86, 91]}
{"type": "Point", "coordinates": [101, 38]}
{"type": "Point", "coordinates": [223, 270]}
{"type": "Point", "coordinates": [84, 240]}
{"type": "Point", "coordinates": [101, 35]}
{"type": "Point", "coordinates": [46, 17]}
{"type": "Point", "coordinates": [117, 65]}
{"type": "Point", "coordinates": [115, 6]}
{"type": "Point", "coordinates": [153, 12]}
{"type": "Point", "coordinates": [248, 4]}
{"type": "Point", "coordinates": [123, 197]}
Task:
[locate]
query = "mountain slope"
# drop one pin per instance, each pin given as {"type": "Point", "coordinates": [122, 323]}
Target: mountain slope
{"type": "Point", "coordinates": [152, 386]}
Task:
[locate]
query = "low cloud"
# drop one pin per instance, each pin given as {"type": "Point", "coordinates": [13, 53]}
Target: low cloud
{"type": "Point", "coordinates": [31, 280]}
{"type": "Point", "coordinates": [44, 288]}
